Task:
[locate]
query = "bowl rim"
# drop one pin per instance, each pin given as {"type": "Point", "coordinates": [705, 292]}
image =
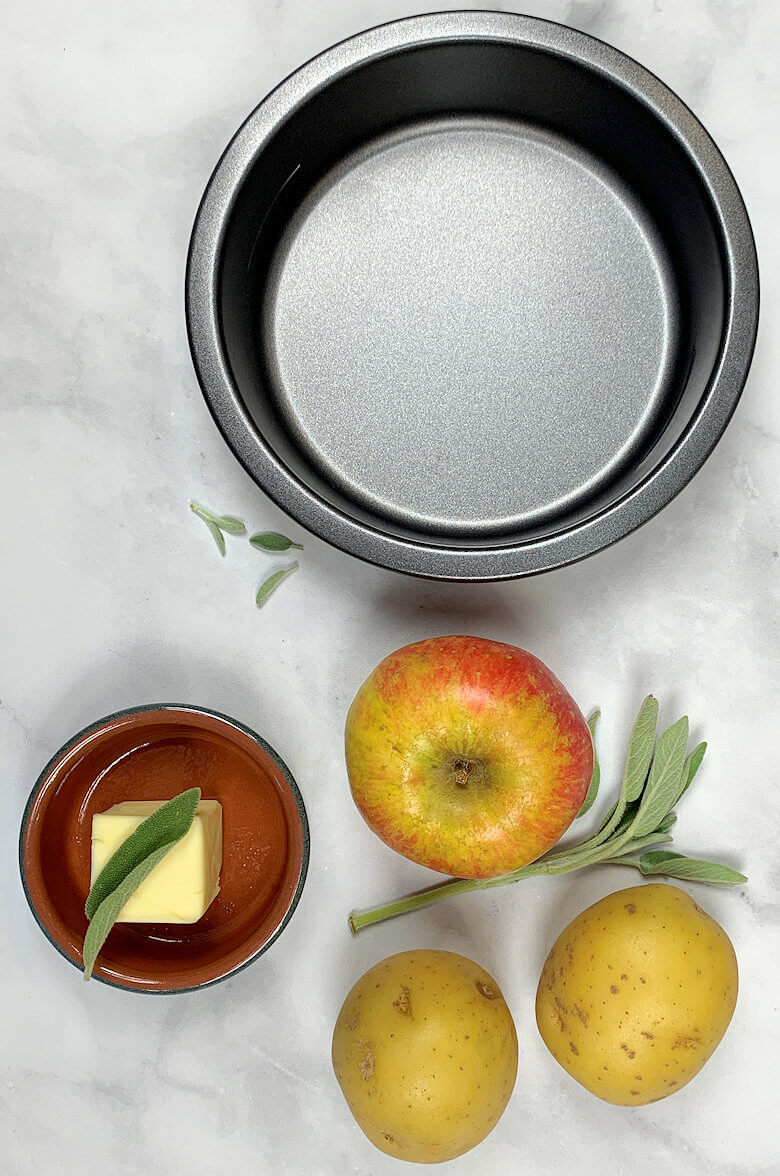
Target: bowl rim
{"type": "Point", "coordinates": [180, 707]}
{"type": "Point", "coordinates": [412, 555]}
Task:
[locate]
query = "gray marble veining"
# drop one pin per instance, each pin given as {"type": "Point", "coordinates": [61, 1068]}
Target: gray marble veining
{"type": "Point", "coordinates": [112, 593]}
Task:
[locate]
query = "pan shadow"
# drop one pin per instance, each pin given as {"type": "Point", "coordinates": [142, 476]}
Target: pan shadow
{"type": "Point", "coordinates": [496, 611]}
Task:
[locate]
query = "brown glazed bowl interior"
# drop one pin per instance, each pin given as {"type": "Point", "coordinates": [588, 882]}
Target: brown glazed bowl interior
{"type": "Point", "coordinates": [152, 753]}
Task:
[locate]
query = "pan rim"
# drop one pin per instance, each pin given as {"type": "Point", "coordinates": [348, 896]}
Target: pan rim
{"type": "Point", "coordinates": [413, 555]}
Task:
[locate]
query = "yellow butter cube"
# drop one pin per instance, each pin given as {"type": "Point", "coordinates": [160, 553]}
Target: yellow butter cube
{"type": "Point", "coordinates": [183, 885]}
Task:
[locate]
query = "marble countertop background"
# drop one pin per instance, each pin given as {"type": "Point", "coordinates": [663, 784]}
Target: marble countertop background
{"type": "Point", "coordinates": [113, 116]}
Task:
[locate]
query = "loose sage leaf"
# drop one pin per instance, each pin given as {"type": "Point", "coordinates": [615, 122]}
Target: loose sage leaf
{"type": "Point", "coordinates": [273, 581]}
{"type": "Point", "coordinates": [167, 824]}
{"type": "Point", "coordinates": [232, 525]}
{"type": "Point", "coordinates": [218, 523]}
{"type": "Point", "coordinates": [219, 538]}
{"type": "Point", "coordinates": [107, 913]}
{"type": "Point", "coordinates": [663, 784]}
{"type": "Point", "coordinates": [273, 541]}
{"type": "Point", "coordinates": [692, 765]}
{"type": "Point", "coordinates": [595, 778]}
{"type": "Point", "coordinates": [675, 865]}
{"type": "Point", "coordinates": [640, 749]}
{"type": "Point", "coordinates": [227, 523]}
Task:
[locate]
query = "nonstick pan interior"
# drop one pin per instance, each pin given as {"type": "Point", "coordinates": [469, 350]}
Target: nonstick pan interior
{"type": "Point", "coordinates": [475, 295]}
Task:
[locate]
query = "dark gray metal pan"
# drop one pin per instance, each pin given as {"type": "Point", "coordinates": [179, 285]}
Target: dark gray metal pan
{"type": "Point", "coordinates": [472, 295]}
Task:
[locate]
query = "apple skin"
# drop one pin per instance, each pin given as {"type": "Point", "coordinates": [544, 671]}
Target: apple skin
{"type": "Point", "coordinates": [467, 755]}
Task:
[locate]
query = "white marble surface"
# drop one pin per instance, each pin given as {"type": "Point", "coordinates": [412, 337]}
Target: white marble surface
{"type": "Point", "coordinates": [112, 594]}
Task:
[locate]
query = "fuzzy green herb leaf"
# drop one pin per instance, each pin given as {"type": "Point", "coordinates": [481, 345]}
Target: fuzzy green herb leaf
{"type": "Point", "coordinates": [665, 825]}
{"type": "Point", "coordinates": [107, 913]}
{"type": "Point", "coordinates": [664, 782]}
{"type": "Point", "coordinates": [692, 765]}
{"type": "Point", "coordinates": [677, 865]}
{"type": "Point", "coordinates": [640, 752]}
{"type": "Point", "coordinates": [273, 541]}
{"type": "Point", "coordinates": [217, 535]}
{"type": "Point", "coordinates": [166, 824]}
{"type": "Point", "coordinates": [640, 749]}
{"type": "Point", "coordinates": [595, 778]}
{"type": "Point", "coordinates": [689, 770]}
{"type": "Point", "coordinates": [132, 862]}
{"type": "Point", "coordinates": [655, 857]}
{"type": "Point", "coordinates": [230, 524]}
{"type": "Point", "coordinates": [273, 581]}
{"type": "Point", "coordinates": [218, 525]}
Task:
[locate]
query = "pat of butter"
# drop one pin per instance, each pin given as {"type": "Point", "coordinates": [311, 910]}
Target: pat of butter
{"type": "Point", "coordinates": [183, 885]}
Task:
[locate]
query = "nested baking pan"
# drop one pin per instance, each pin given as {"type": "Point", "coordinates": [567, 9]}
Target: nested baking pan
{"type": "Point", "coordinates": [472, 295]}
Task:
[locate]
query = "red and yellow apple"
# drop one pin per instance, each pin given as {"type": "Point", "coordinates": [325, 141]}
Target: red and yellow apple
{"type": "Point", "coordinates": [467, 755]}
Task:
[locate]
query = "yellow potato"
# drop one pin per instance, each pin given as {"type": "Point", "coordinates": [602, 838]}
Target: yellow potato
{"type": "Point", "coordinates": [637, 993]}
{"type": "Point", "coordinates": [425, 1052]}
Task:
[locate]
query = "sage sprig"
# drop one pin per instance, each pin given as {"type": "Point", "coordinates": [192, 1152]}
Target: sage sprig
{"type": "Point", "coordinates": [273, 541]}
{"type": "Point", "coordinates": [219, 525]}
{"type": "Point", "coordinates": [130, 864]}
{"type": "Point", "coordinates": [656, 776]}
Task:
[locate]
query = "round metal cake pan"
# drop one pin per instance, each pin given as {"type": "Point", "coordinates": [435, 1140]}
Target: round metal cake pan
{"type": "Point", "coordinates": [472, 295]}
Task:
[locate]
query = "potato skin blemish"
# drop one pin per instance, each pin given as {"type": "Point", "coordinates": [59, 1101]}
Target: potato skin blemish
{"type": "Point", "coordinates": [403, 1002]}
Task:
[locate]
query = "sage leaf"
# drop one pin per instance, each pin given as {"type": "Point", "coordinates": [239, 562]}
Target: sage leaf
{"type": "Point", "coordinates": [273, 541]}
{"type": "Point", "coordinates": [130, 865]}
{"type": "Point", "coordinates": [627, 820]}
{"type": "Point", "coordinates": [663, 784]}
{"type": "Point", "coordinates": [107, 913]}
{"type": "Point", "coordinates": [596, 838]}
{"type": "Point", "coordinates": [640, 749]}
{"type": "Point", "coordinates": [666, 823]}
{"type": "Point", "coordinates": [167, 824]}
{"type": "Point", "coordinates": [232, 525]}
{"type": "Point", "coordinates": [657, 856]}
{"type": "Point", "coordinates": [217, 524]}
{"type": "Point", "coordinates": [227, 523]}
{"type": "Point", "coordinates": [595, 778]}
{"type": "Point", "coordinates": [630, 856]}
{"type": "Point", "coordinates": [219, 538]}
{"type": "Point", "coordinates": [690, 768]}
{"type": "Point", "coordinates": [629, 817]}
{"type": "Point", "coordinates": [273, 581]}
{"type": "Point", "coordinates": [675, 865]}
{"type": "Point", "coordinates": [692, 765]}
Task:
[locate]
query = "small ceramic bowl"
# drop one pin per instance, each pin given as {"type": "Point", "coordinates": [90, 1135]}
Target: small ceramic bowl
{"type": "Point", "coordinates": [152, 753]}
